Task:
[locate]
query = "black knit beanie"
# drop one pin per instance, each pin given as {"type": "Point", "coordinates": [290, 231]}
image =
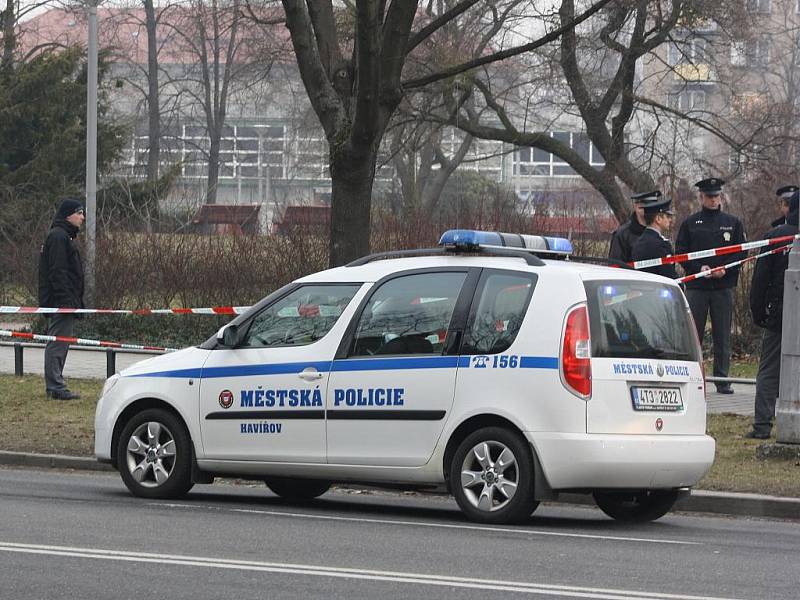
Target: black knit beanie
{"type": "Point", "coordinates": [68, 206]}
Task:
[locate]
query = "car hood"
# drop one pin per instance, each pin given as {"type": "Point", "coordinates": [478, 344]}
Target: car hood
{"type": "Point", "coordinates": [187, 362]}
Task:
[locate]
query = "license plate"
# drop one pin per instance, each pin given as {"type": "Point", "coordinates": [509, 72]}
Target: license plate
{"type": "Point", "coordinates": [656, 398]}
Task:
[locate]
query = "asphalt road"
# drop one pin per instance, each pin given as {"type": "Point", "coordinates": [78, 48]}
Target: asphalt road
{"type": "Point", "coordinates": [79, 535]}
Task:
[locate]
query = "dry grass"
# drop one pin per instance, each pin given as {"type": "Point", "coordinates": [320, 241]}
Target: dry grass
{"type": "Point", "coordinates": [736, 468]}
{"type": "Point", "coordinates": [31, 423]}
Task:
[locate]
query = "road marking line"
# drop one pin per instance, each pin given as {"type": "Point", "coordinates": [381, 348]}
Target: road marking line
{"type": "Point", "coordinates": [424, 524]}
{"type": "Point", "coordinates": [345, 573]}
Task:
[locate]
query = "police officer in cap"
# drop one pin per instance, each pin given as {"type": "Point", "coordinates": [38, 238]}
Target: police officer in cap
{"type": "Point", "coordinates": [766, 307]}
{"type": "Point", "coordinates": [711, 227]}
{"type": "Point", "coordinates": [625, 236]}
{"type": "Point", "coordinates": [784, 194]}
{"type": "Point", "coordinates": [653, 242]}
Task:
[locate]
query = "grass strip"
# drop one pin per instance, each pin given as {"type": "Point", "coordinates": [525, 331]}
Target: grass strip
{"type": "Point", "coordinates": [29, 422]}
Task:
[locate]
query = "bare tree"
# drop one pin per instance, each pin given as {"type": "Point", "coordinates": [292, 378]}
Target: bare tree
{"type": "Point", "coordinates": [355, 96]}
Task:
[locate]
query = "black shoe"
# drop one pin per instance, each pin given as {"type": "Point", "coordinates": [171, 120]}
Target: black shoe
{"type": "Point", "coordinates": [724, 389]}
{"type": "Point", "coordinates": [756, 435]}
{"type": "Point", "coordinates": [63, 395]}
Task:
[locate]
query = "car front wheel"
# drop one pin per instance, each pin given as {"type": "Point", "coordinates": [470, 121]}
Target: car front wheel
{"type": "Point", "coordinates": [155, 455]}
{"type": "Point", "coordinates": [637, 506]}
{"type": "Point", "coordinates": [491, 476]}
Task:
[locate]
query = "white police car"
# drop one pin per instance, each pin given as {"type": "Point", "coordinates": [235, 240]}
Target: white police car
{"type": "Point", "coordinates": [477, 366]}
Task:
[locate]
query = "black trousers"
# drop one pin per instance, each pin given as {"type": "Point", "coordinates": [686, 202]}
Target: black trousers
{"type": "Point", "coordinates": [719, 304]}
{"type": "Point", "coordinates": [55, 353]}
{"type": "Point", "coordinates": [767, 381]}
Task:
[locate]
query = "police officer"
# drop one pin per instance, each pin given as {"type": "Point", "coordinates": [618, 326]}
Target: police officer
{"type": "Point", "coordinates": [712, 228]}
{"type": "Point", "coordinates": [784, 194]}
{"type": "Point", "coordinates": [766, 307]}
{"type": "Point", "coordinates": [625, 236]}
{"type": "Point", "coordinates": [653, 242]}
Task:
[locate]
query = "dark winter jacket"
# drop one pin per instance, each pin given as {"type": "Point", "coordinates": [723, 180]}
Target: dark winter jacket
{"type": "Point", "coordinates": [766, 291]}
{"type": "Point", "coordinates": [710, 229]}
{"type": "Point", "coordinates": [651, 244]}
{"type": "Point", "coordinates": [60, 268]}
{"type": "Point", "coordinates": [623, 239]}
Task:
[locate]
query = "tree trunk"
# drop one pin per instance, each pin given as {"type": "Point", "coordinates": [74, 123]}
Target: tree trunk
{"type": "Point", "coordinates": [8, 21]}
{"type": "Point", "coordinates": [153, 101]}
{"type": "Point", "coordinates": [213, 167]}
{"type": "Point", "coordinates": [352, 177]}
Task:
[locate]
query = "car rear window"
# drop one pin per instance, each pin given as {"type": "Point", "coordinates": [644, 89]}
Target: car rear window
{"type": "Point", "coordinates": [639, 319]}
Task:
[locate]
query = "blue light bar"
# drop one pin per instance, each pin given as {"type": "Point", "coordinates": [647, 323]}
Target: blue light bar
{"type": "Point", "coordinates": [560, 245]}
{"type": "Point", "coordinates": [473, 239]}
{"type": "Point", "coordinates": [470, 238]}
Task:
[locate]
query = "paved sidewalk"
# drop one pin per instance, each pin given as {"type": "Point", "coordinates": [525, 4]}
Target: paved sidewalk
{"type": "Point", "coordinates": [739, 403]}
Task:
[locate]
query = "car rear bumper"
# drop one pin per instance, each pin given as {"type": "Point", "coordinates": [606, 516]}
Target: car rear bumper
{"type": "Point", "coordinates": [574, 460]}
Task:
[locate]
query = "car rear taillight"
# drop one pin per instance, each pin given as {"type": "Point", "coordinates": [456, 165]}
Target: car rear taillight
{"type": "Point", "coordinates": [576, 363]}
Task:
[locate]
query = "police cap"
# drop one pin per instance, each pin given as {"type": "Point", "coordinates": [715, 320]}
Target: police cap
{"type": "Point", "coordinates": [659, 205]}
{"type": "Point", "coordinates": [787, 191]}
{"type": "Point", "coordinates": [711, 186]}
{"type": "Point", "coordinates": [646, 197]}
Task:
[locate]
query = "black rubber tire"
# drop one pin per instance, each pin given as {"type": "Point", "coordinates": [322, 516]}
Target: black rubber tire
{"type": "Point", "coordinates": [180, 479]}
{"type": "Point", "coordinates": [522, 504]}
{"type": "Point", "coordinates": [637, 506]}
{"type": "Point", "coordinates": [298, 490]}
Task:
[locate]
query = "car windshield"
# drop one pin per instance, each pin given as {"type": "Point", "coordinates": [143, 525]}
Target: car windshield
{"type": "Point", "coordinates": [639, 319]}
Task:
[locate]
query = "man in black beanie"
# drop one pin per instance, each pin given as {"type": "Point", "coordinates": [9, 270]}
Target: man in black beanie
{"type": "Point", "coordinates": [61, 286]}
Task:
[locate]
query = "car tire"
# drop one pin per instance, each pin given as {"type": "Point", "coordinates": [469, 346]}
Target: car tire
{"type": "Point", "coordinates": [637, 506]}
{"type": "Point", "coordinates": [297, 489]}
{"type": "Point", "coordinates": [488, 488]}
{"type": "Point", "coordinates": [154, 455]}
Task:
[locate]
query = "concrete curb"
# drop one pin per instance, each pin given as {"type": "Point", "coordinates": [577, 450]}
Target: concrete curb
{"type": "Point", "coordinates": [703, 501]}
{"type": "Point", "coordinates": [52, 461]}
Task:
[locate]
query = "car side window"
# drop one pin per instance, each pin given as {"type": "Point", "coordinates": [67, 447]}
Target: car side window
{"type": "Point", "coordinates": [408, 315]}
{"type": "Point", "coordinates": [300, 318]}
{"type": "Point", "coordinates": [503, 300]}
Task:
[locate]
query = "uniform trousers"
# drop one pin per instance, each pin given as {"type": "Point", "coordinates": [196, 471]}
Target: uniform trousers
{"type": "Point", "coordinates": [719, 303]}
{"type": "Point", "coordinates": [55, 353]}
{"type": "Point", "coordinates": [767, 381]}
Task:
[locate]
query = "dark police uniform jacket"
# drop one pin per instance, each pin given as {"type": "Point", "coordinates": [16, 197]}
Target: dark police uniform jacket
{"type": "Point", "coordinates": [623, 239]}
{"type": "Point", "coordinates": [766, 291]}
{"type": "Point", "coordinates": [710, 229]}
{"type": "Point", "coordinates": [651, 244]}
{"type": "Point", "coordinates": [60, 268]}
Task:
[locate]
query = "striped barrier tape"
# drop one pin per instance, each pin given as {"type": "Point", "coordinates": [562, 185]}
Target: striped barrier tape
{"type": "Point", "coordinates": [34, 310]}
{"type": "Point", "coordinates": [679, 258]}
{"type": "Point", "coordinates": [79, 341]}
{"type": "Point", "coordinates": [710, 272]}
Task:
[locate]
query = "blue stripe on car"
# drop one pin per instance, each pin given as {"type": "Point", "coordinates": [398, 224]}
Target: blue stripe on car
{"type": "Point", "coordinates": [346, 365]}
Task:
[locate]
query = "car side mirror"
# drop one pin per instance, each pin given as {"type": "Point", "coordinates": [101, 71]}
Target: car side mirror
{"type": "Point", "coordinates": [228, 336]}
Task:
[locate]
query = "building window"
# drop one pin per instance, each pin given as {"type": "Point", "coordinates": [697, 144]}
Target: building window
{"type": "Point", "coordinates": [534, 162]}
{"type": "Point", "coordinates": [692, 50]}
{"type": "Point", "coordinates": [687, 100]}
{"type": "Point", "coordinates": [750, 53]}
{"type": "Point", "coordinates": [759, 6]}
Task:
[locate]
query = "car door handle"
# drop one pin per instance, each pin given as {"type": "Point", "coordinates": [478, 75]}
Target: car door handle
{"type": "Point", "coordinates": [310, 375]}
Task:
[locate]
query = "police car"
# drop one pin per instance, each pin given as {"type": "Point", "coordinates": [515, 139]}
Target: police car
{"type": "Point", "coordinates": [477, 366]}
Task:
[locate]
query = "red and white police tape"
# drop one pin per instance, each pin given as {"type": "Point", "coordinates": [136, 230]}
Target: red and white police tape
{"type": "Point", "coordinates": [736, 263]}
{"type": "Point", "coordinates": [79, 341]}
{"type": "Point", "coordinates": [679, 258]}
{"type": "Point", "coordinates": [34, 310]}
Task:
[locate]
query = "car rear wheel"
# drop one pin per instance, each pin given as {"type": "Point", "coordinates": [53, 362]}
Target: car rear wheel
{"type": "Point", "coordinates": [155, 455]}
{"type": "Point", "coordinates": [638, 506]}
{"type": "Point", "coordinates": [491, 476]}
{"type": "Point", "coordinates": [297, 489]}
